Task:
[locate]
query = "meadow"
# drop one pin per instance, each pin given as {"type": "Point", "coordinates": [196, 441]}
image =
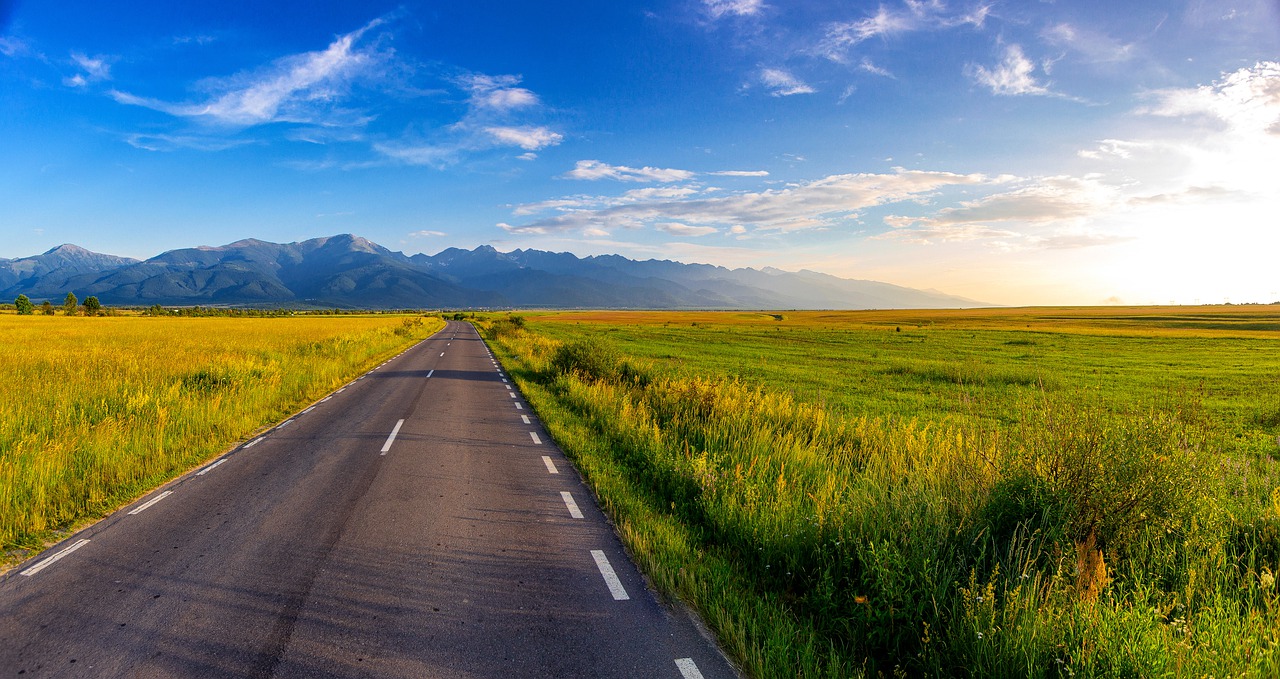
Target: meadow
{"type": "Point", "coordinates": [1046, 492]}
{"type": "Point", "coordinates": [98, 411]}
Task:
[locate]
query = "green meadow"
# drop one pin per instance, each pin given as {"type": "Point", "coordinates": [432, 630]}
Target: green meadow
{"type": "Point", "coordinates": [1046, 492]}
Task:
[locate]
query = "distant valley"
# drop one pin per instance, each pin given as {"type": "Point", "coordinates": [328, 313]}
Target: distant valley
{"type": "Point", "coordinates": [348, 271]}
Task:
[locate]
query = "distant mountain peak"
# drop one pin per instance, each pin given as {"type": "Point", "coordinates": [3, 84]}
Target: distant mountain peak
{"type": "Point", "coordinates": [69, 249]}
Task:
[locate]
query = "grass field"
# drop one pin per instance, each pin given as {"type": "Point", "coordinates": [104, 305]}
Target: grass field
{"type": "Point", "coordinates": [1059, 492]}
{"type": "Point", "coordinates": [99, 410]}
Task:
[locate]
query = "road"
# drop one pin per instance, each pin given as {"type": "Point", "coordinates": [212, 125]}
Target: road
{"type": "Point", "coordinates": [418, 522]}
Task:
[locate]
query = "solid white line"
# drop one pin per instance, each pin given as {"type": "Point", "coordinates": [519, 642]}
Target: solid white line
{"type": "Point", "coordinates": [387, 446]}
{"type": "Point", "coordinates": [148, 503]}
{"type": "Point", "coordinates": [525, 418]}
{"type": "Point", "coordinates": [573, 506]}
{"type": "Point", "coordinates": [430, 372]}
{"type": "Point", "coordinates": [551, 466]}
{"type": "Point", "coordinates": [518, 406]}
{"type": "Point", "coordinates": [610, 578]}
{"type": "Point", "coordinates": [252, 443]}
{"type": "Point", "coordinates": [284, 424]}
{"type": "Point", "coordinates": [49, 561]}
{"type": "Point", "coordinates": [534, 435]}
{"type": "Point", "coordinates": [308, 410]}
{"type": "Point", "coordinates": [688, 669]}
{"type": "Point", "coordinates": [206, 470]}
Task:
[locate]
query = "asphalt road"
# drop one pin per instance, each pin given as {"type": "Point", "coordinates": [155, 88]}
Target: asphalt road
{"type": "Point", "coordinates": [418, 522]}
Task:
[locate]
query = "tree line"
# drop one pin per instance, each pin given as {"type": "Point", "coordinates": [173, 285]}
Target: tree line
{"type": "Point", "coordinates": [71, 306]}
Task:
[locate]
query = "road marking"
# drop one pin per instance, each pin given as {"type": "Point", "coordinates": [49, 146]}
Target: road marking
{"type": "Point", "coordinates": [252, 443]}
{"type": "Point", "coordinates": [49, 561]}
{"type": "Point", "coordinates": [534, 435]}
{"type": "Point", "coordinates": [325, 399]}
{"type": "Point", "coordinates": [551, 466]}
{"type": "Point", "coordinates": [430, 372]}
{"type": "Point", "coordinates": [307, 410]}
{"type": "Point", "coordinates": [284, 424]}
{"type": "Point", "coordinates": [518, 406]}
{"type": "Point", "coordinates": [387, 446]}
{"type": "Point", "coordinates": [206, 470]}
{"type": "Point", "coordinates": [688, 669]}
{"type": "Point", "coordinates": [525, 418]}
{"type": "Point", "coordinates": [148, 503]}
{"type": "Point", "coordinates": [511, 394]}
{"type": "Point", "coordinates": [508, 386]}
{"type": "Point", "coordinates": [504, 380]}
{"type": "Point", "coordinates": [573, 506]}
{"type": "Point", "coordinates": [442, 353]}
{"type": "Point", "coordinates": [610, 578]}
{"type": "Point", "coordinates": [340, 390]}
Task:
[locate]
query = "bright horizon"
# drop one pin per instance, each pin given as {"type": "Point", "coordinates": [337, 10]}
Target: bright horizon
{"type": "Point", "coordinates": [1014, 153]}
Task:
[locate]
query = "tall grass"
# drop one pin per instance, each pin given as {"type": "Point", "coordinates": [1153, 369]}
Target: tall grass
{"type": "Point", "coordinates": [1079, 540]}
{"type": "Point", "coordinates": [98, 410]}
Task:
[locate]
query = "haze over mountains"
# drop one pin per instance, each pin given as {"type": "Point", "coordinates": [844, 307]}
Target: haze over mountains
{"type": "Point", "coordinates": [351, 272]}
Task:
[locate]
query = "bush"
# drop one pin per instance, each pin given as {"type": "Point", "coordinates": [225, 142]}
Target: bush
{"type": "Point", "coordinates": [23, 305]}
{"type": "Point", "coordinates": [590, 360]}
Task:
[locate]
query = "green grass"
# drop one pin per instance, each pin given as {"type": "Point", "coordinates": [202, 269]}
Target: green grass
{"type": "Point", "coordinates": [936, 494]}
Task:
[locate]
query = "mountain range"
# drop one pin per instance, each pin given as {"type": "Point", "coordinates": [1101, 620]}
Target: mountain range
{"type": "Point", "coordinates": [348, 271]}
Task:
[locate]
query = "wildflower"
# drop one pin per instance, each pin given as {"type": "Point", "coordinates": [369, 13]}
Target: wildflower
{"type": "Point", "coordinates": [1266, 580]}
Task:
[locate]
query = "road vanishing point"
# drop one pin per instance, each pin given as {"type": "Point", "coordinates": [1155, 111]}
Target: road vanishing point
{"type": "Point", "coordinates": [417, 522]}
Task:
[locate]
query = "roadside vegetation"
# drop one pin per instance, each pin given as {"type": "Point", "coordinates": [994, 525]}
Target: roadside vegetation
{"type": "Point", "coordinates": [98, 411]}
{"type": "Point", "coordinates": [1051, 493]}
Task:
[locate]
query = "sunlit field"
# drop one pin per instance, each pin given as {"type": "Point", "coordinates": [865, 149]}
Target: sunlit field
{"type": "Point", "coordinates": [1048, 492]}
{"type": "Point", "coordinates": [98, 410]}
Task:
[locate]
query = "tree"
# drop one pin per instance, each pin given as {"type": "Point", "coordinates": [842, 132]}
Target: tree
{"type": "Point", "coordinates": [92, 306]}
{"type": "Point", "coordinates": [70, 303]}
{"type": "Point", "coordinates": [24, 305]}
{"type": "Point", "coordinates": [46, 308]}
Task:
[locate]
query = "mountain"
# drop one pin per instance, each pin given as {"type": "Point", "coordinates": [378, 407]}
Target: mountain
{"type": "Point", "coordinates": [46, 275]}
{"type": "Point", "coordinates": [352, 272]}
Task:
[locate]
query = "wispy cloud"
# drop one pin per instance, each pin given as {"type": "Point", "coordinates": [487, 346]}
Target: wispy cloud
{"type": "Point", "coordinates": [498, 92]}
{"type": "Point", "coordinates": [592, 170]}
{"type": "Point", "coordinates": [174, 142]}
{"type": "Point", "coordinates": [1095, 47]}
{"type": "Point", "coordinates": [529, 137]}
{"type": "Point", "coordinates": [740, 173]}
{"type": "Point", "coordinates": [677, 229]}
{"type": "Point", "coordinates": [1014, 75]}
{"type": "Point", "coordinates": [871, 68]}
{"type": "Point", "coordinates": [722, 8]}
{"type": "Point", "coordinates": [13, 47]}
{"type": "Point", "coordinates": [914, 15]}
{"type": "Point", "coordinates": [781, 83]}
{"type": "Point", "coordinates": [299, 88]}
{"type": "Point", "coordinates": [426, 233]}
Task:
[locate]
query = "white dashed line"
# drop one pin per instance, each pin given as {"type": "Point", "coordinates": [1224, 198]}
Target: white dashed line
{"type": "Point", "coordinates": [325, 399]}
{"type": "Point", "coordinates": [442, 353]}
{"type": "Point", "coordinates": [508, 386]}
{"type": "Point", "coordinates": [518, 406]}
{"type": "Point", "coordinates": [511, 394]}
{"type": "Point", "coordinates": [252, 443]}
{"type": "Point", "coordinates": [49, 561]}
{"type": "Point", "coordinates": [431, 372]}
{"type": "Point", "coordinates": [610, 578]}
{"type": "Point", "coordinates": [139, 509]}
{"type": "Point", "coordinates": [687, 668]}
{"type": "Point", "coordinates": [307, 410]}
{"type": "Point", "coordinates": [525, 418]}
{"type": "Point", "coordinates": [387, 446]}
{"type": "Point", "coordinates": [340, 390]}
{"type": "Point", "coordinates": [573, 506]}
{"type": "Point", "coordinates": [534, 435]}
{"type": "Point", "coordinates": [551, 466]}
{"type": "Point", "coordinates": [208, 469]}
{"type": "Point", "coordinates": [284, 424]}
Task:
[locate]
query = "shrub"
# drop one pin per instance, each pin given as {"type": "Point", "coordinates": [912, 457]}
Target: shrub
{"type": "Point", "coordinates": [591, 360]}
{"type": "Point", "coordinates": [23, 305]}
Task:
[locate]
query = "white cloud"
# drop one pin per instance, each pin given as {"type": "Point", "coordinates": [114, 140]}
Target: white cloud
{"type": "Point", "coordinates": [782, 83]}
{"type": "Point", "coordinates": [427, 234]}
{"type": "Point", "coordinates": [527, 156]}
{"type": "Point", "coordinates": [677, 229]}
{"type": "Point", "coordinates": [593, 170]}
{"type": "Point", "coordinates": [737, 229]}
{"type": "Point", "coordinates": [1113, 148]}
{"type": "Point", "coordinates": [76, 80]}
{"type": "Point", "coordinates": [1012, 76]}
{"type": "Point", "coordinates": [917, 15]}
{"type": "Point", "coordinates": [12, 47]}
{"type": "Point", "coordinates": [1095, 47]}
{"type": "Point", "coordinates": [297, 88]}
{"type": "Point", "coordinates": [871, 68]}
{"type": "Point", "coordinates": [528, 137]}
{"type": "Point", "coordinates": [498, 92]}
{"type": "Point", "coordinates": [432, 155]}
{"type": "Point", "coordinates": [722, 8]}
{"type": "Point", "coordinates": [1247, 100]}
{"type": "Point", "coordinates": [172, 142]}
{"type": "Point", "coordinates": [95, 68]}
{"type": "Point", "coordinates": [740, 173]}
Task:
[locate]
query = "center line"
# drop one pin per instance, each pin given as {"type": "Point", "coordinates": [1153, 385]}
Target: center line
{"type": "Point", "coordinates": [525, 418]}
{"type": "Point", "coordinates": [49, 561]}
{"type": "Point", "coordinates": [206, 470]}
{"type": "Point", "coordinates": [148, 503]}
{"type": "Point", "coordinates": [442, 353]}
{"type": "Point", "coordinates": [387, 446]}
{"type": "Point", "coordinates": [430, 372]}
{"type": "Point", "coordinates": [573, 506]}
{"type": "Point", "coordinates": [610, 578]}
{"type": "Point", "coordinates": [688, 669]}
{"type": "Point", "coordinates": [518, 407]}
{"type": "Point", "coordinates": [511, 394]}
{"type": "Point", "coordinates": [534, 436]}
{"type": "Point", "coordinates": [551, 466]}
{"type": "Point", "coordinates": [508, 386]}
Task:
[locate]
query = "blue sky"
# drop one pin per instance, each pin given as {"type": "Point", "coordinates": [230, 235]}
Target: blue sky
{"type": "Point", "coordinates": [1013, 152]}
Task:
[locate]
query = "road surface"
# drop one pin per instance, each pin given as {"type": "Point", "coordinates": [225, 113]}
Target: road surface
{"type": "Point", "coordinates": [418, 522]}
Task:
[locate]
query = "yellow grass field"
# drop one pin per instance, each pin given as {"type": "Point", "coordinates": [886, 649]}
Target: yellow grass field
{"type": "Point", "coordinates": [96, 411]}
